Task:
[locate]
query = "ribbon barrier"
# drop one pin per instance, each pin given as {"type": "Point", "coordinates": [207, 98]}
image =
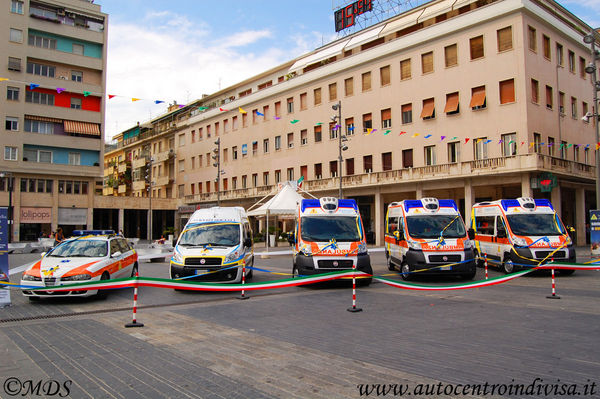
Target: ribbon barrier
{"type": "Point", "coordinates": [134, 323]}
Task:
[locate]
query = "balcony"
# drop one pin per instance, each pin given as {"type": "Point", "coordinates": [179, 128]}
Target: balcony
{"type": "Point", "coordinates": [164, 156]}
{"type": "Point", "coordinates": [108, 191]}
{"type": "Point", "coordinates": [123, 166]}
{"type": "Point", "coordinates": [122, 189]}
{"type": "Point", "coordinates": [109, 171]}
{"type": "Point", "coordinates": [163, 181]}
{"type": "Point", "coordinates": [138, 163]}
{"type": "Point", "coordinates": [138, 185]}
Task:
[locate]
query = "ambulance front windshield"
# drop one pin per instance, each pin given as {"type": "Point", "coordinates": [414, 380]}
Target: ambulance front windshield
{"type": "Point", "coordinates": [325, 228]}
{"type": "Point", "coordinates": [215, 235]}
{"type": "Point", "coordinates": [535, 224]}
{"type": "Point", "coordinates": [434, 226]}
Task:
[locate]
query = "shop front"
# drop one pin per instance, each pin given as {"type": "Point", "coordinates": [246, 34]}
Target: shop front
{"type": "Point", "coordinates": [35, 223]}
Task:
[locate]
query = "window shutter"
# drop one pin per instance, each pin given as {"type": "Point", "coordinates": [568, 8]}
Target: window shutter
{"type": "Point", "coordinates": [451, 103]}
{"type": "Point", "coordinates": [366, 81]}
{"type": "Point", "coordinates": [428, 108]}
{"type": "Point", "coordinates": [427, 62]}
{"type": "Point", "coordinates": [507, 91]}
{"type": "Point", "coordinates": [405, 69]}
{"type": "Point", "coordinates": [505, 39]}
{"type": "Point", "coordinates": [477, 97]}
{"type": "Point", "coordinates": [385, 75]}
{"type": "Point", "coordinates": [451, 55]}
{"type": "Point", "coordinates": [476, 47]}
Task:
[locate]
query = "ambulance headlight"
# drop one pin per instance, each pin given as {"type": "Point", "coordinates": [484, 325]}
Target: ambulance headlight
{"type": "Point", "coordinates": [362, 249]}
{"type": "Point", "coordinates": [177, 257]}
{"type": "Point", "coordinates": [305, 250]}
{"type": "Point", "coordinates": [414, 245]}
{"type": "Point", "coordinates": [569, 241]}
{"type": "Point", "coordinates": [232, 257]}
{"type": "Point", "coordinates": [520, 242]}
{"type": "Point", "coordinates": [468, 244]}
{"type": "Point", "coordinates": [77, 277]}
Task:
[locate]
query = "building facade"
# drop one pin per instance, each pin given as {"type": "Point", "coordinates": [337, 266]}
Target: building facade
{"type": "Point", "coordinates": [468, 100]}
{"type": "Point", "coordinates": [53, 81]}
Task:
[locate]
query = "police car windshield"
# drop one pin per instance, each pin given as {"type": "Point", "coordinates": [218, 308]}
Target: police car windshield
{"type": "Point", "coordinates": [324, 228]}
{"type": "Point", "coordinates": [432, 226]}
{"type": "Point", "coordinates": [535, 224]}
{"type": "Point", "coordinates": [81, 248]}
{"type": "Point", "coordinates": [218, 234]}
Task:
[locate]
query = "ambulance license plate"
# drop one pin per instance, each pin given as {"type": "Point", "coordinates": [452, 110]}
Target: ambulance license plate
{"type": "Point", "coordinates": [446, 268]}
{"type": "Point", "coordinates": [200, 271]}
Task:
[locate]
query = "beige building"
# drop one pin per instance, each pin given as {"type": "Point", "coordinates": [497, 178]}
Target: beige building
{"type": "Point", "coordinates": [52, 107]}
{"type": "Point", "coordinates": [469, 100]}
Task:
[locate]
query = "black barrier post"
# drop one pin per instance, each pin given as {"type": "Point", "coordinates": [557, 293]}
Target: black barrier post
{"type": "Point", "coordinates": [134, 323]}
{"type": "Point", "coordinates": [354, 309]}
{"type": "Point", "coordinates": [553, 296]}
{"type": "Point", "coordinates": [243, 280]}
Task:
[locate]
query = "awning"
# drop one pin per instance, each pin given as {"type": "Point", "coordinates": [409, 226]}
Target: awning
{"type": "Point", "coordinates": [91, 129]}
{"type": "Point", "coordinates": [428, 108]}
{"type": "Point", "coordinates": [363, 38]}
{"type": "Point", "coordinates": [451, 103]}
{"type": "Point", "coordinates": [319, 55]}
{"type": "Point", "coordinates": [435, 9]}
{"type": "Point", "coordinates": [399, 24]}
{"type": "Point", "coordinates": [43, 119]}
{"type": "Point", "coordinates": [478, 97]}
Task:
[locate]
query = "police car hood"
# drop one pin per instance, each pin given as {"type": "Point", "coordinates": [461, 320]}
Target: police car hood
{"type": "Point", "coordinates": [52, 266]}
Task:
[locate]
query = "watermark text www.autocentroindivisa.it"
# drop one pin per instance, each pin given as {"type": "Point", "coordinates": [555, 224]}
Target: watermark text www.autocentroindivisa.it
{"type": "Point", "coordinates": [537, 388]}
{"type": "Point", "coordinates": [13, 386]}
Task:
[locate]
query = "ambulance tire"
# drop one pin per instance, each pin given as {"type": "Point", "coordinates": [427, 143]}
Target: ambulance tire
{"type": "Point", "coordinates": [508, 266]}
{"type": "Point", "coordinates": [295, 273]}
{"type": "Point", "coordinates": [388, 259]}
{"type": "Point", "coordinates": [470, 275]}
{"type": "Point", "coordinates": [102, 294]}
{"type": "Point", "coordinates": [250, 272]}
{"type": "Point", "coordinates": [478, 260]}
{"type": "Point", "coordinates": [405, 270]}
{"type": "Point", "coordinates": [364, 282]}
{"type": "Point", "coordinates": [562, 272]}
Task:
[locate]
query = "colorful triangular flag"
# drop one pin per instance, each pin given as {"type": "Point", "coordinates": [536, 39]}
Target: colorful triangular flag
{"type": "Point", "coordinates": [59, 90]}
{"type": "Point", "coordinates": [294, 121]}
{"type": "Point", "coordinates": [32, 86]}
{"type": "Point", "coordinates": [86, 93]}
{"type": "Point", "coordinates": [111, 96]}
{"type": "Point", "coordinates": [415, 135]}
{"type": "Point", "coordinates": [428, 136]}
{"type": "Point", "coordinates": [241, 110]}
{"type": "Point", "coordinates": [223, 109]}
{"type": "Point", "coordinates": [158, 101]}
{"type": "Point", "coordinates": [387, 132]}
{"type": "Point", "coordinates": [135, 99]}
{"type": "Point", "coordinates": [259, 113]}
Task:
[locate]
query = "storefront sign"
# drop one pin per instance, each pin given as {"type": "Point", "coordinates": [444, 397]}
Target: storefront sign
{"type": "Point", "coordinates": [4, 291]}
{"type": "Point", "coordinates": [186, 209]}
{"type": "Point", "coordinates": [72, 216]}
{"type": "Point", "coordinates": [595, 231]}
{"type": "Point", "coordinates": [36, 215]}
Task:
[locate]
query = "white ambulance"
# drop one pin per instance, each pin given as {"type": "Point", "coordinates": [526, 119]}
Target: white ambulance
{"type": "Point", "coordinates": [428, 236]}
{"type": "Point", "coordinates": [329, 236]}
{"type": "Point", "coordinates": [516, 233]}
{"type": "Point", "coordinates": [213, 245]}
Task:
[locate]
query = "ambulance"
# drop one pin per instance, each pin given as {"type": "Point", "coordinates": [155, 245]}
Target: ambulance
{"type": "Point", "coordinates": [213, 245]}
{"type": "Point", "coordinates": [428, 236]}
{"type": "Point", "coordinates": [522, 232]}
{"type": "Point", "coordinates": [329, 236]}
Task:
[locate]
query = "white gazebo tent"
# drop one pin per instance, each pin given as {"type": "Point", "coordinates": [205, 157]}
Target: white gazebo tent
{"type": "Point", "coordinates": [283, 204]}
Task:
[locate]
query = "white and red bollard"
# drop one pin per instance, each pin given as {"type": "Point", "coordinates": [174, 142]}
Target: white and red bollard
{"type": "Point", "coordinates": [553, 296]}
{"type": "Point", "coordinates": [354, 309]}
{"type": "Point", "coordinates": [134, 323]}
{"type": "Point", "coordinates": [243, 296]}
{"type": "Point", "coordinates": [485, 264]}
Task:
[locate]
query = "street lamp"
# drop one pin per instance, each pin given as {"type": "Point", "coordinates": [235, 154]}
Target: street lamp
{"type": "Point", "coordinates": [341, 140]}
{"type": "Point", "coordinates": [592, 70]}
{"type": "Point", "coordinates": [9, 185]}
{"type": "Point", "coordinates": [149, 189]}
{"type": "Point", "coordinates": [217, 164]}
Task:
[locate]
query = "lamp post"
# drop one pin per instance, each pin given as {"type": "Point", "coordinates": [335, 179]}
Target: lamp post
{"type": "Point", "coordinates": [341, 139]}
{"type": "Point", "coordinates": [149, 178]}
{"type": "Point", "coordinates": [9, 185]}
{"type": "Point", "coordinates": [217, 164]}
{"type": "Point", "coordinates": [592, 70]}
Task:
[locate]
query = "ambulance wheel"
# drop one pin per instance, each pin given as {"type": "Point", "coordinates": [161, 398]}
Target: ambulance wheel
{"type": "Point", "coordinates": [508, 266]}
{"type": "Point", "coordinates": [478, 259]}
{"type": "Point", "coordinates": [388, 261]}
{"type": "Point", "coordinates": [563, 272]}
{"type": "Point", "coordinates": [470, 275]}
{"type": "Point", "coordinates": [102, 294]}
{"type": "Point", "coordinates": [250, 273]}
{"type": "Point", "coordinates": [363, 282]}
{"type": "Point", "coordinates": [295, 272]}
{"type": "Point", "coordinates": [406, 274]}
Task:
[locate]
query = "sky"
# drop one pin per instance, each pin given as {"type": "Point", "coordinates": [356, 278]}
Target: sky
{"type": "Point", "coordinates": [178, 50]}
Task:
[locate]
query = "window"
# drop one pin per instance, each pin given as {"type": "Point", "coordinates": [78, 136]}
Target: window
{"type": "Point", "coordinates": [234, 153]}
{"type": "Point", "coordinates": [584, 110]}
{"type": "Point", "coordinates": [254, 147]}
{"type": "Point", "coordinates": [74, 158]}
{"type": "Point", "coordinates": [225, 155]}
{"type": "Point", "coordinates": [576, 153]}
{"type": "Point", "coordinates": [480, 149]}
{"type": "Point", "coordinates": [451, 55]}
{"type": "Point", "coordinates": [386, 118]}
{"type": "Point", "coordinates": [36, 97]}
{"type": "Point", "coordinates": [40, 41]}
{"type": "Point", "coordinates": [77, 49]}
{"type": "Point", "coordinates": [303, 137]}
{"type": "Point", "coordinates": [193, 163]}
{"type": "Point", "coordinates": [244, 123]}
{"type": "Point", "coordinates": [333, 168]}
{"type": "Point", "coordinates": [532, 39]}
{"type": "Point", "coordinates": [559, 55]}
{"type": "Point", "coordinates": [368, 163]}
{"type": "Point", "coordinates": [34, 126]}
{"type": "Point", "coordinates": [265, 146]}
{"type": "Point", "coordinates": [333, 130]}
{"type": "Point", "coordinates": [573, 108]}
{"type": "Point", "coordinates": [41, 70]}
{"type": "Point", "coordinates": [303, 104]}
{"type": "Point", "coordinates": [216, 129]}
{"type": "Point", "coordinates": [349, 87]}
{"type": "Point", "coordinates": [317, 131]}
{"type": "Point", "coordinates": [509, 145]}
{"type": "Point", "coordinates": [405, 72]}
{"type": "Point", "coordinates": [571, 61]}
{"type": "Point", "coordinates": [254, 179]}
{"type": "Point", "coordinates": [407, 113]}
{"type": "Point", "coordinates": [277, 109]}
{"type": "Point", "coordinates": [507, 91]}
{"type": "Point", "coordinates": [290, 173]}
{"type": "Point", "coordinates": [586, 156]}
{"type": "Point", "coordinates": [16, 6]}
{"type": "Point", "coordinates": [386, 161]}
{"type": "Point", "coordinates": [384, 75]}
{"type": "Point", "coordinates": [367, 122]}
{"type": "Point", "coordinates": [549, 97]}
{"type": "Point", "coordinates": [563, 149]}
{"type": "Point", "coordinates": [454, 152]}
{"type": "Point", "coordinates": [10, 153]}
{"type": "Point", "coordinates": [12, 93]}
{"type": "Point", "coordinates": [16, 35]}
{"type": "Point", "coordinates": [181, 191]}
{"type": "Point", "coordinates": [561, 102]}
{"type": "Point", "coordinates": [427, 62]}
{"type": "Point", "coordinates": [546, 43]}
{"type": "Point", "coordinates": [318, 171]}
{"type": "Point", "coordinates": [428, 111]}
{"type": "Point", "coordinates": [317, 95]}
{"type": "Point", "coordinates": [181, 165]}
{"type": "Point", "coordinates": [234, 123]}
{"type": "Point", "coordinates": [504, 37]}
{"type": "Point", "coordinates": [12, 123]}
{"type": "Point", "coordinates": [75, 103]}
{"type": "Point", "coordinates": [407, 158]}
{"type": "Point", "coordinates": [476, 44]}
{"type": "Point", "coordinates": [265, 178]}
{"type": "Point", "coordinates": [290, 105]}
{"type": "Point", "coordinates": [277, 143]}
{"type": "Point", "coordinates": [535, 91]}
{"type": "Point", "coordinates": [537, 142]}
{"type": "Point", "coordinates": [366, 81]}
{"type": "Point", "coordinates": [349, 126]}
{"type": "Point", "coordinates": [14, 64]}
{"type": "Point", "coordinates": [182, 139]}
{"type": "Point", "coordinates": [290, 140]}
{"type": "Point", "coordinates": [333, 91]}
{"type": "Point", "coordinates": [582, 67]}
{"type": "Point", "coordinates": [430, 155]}
{"type": "Point", "coordinates": [452, 106]}
{"type": "Point", "coordinates": [265, 118]}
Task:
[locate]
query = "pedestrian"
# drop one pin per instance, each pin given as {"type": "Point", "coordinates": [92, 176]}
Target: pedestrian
{"type": "Point", "coordinates": [58, 237]}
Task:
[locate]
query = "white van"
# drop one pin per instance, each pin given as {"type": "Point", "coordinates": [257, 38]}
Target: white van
{"type": "Point", "coordinates": [329, 236]}
{"type": "Point", "coordinates": [428, 236]}
{"type": "Point", "coordinates": [213, 245]}
{"type": "Point", "coordinates": [516, 233]}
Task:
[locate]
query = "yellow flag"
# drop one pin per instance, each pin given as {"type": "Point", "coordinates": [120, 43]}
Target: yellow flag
{"type": "Point", "coordinates": [242, 111]}
{"type": "Point", "coordinates": [3, 79]}
{"type": "Point", "coordinates": [135, 99]}
{"type": "Point", "coordinates": [415, 135]}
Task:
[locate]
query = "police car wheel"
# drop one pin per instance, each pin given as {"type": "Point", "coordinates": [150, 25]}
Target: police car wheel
{"type": "Point", "coordinates": [406, 274]}
{"type": "Point", "coordinates": [508, 266]}
{"type": "Point", "coordinates": [34, 298]}
{"type": "Point", "coordinates": [102, 294]}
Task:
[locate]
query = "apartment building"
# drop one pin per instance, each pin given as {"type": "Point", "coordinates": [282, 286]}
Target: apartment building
{"type": "Point", "coordinates": [53, 80]}
{"type": "Point", "coordinates": [468, 100]}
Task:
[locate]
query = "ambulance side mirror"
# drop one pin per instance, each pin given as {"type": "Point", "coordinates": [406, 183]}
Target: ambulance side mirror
{"type": "Point", "coordinates": [248, 242]}
{"type": "Point", "coordinates": [501, 233]}
{"type": "Point", "coordinates": [471, 234]}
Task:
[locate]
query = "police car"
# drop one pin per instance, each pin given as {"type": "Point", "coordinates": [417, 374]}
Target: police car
{"type": "Point", "coordinates": [87, 258]}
